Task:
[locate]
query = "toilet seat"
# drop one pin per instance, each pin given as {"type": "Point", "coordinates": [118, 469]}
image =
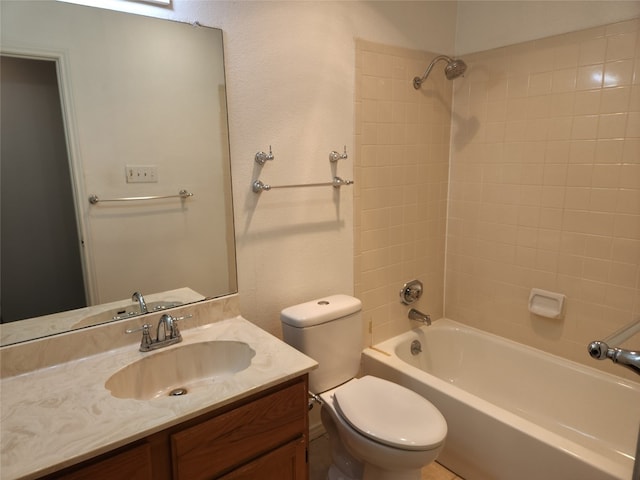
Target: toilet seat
{"type": "Point", "coordinates": [390, 414]}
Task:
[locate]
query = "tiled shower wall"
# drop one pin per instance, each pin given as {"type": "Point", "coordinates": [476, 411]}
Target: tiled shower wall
{"type": "Point", "coordinates": [401, 180]}
{"type": "Point", "coordinates": [545, 188]}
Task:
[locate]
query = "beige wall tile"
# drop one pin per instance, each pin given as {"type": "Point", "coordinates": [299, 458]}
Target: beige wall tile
{"type": "Point", "coordinates": [559, 206]}
{"type": "Point", "coordinates": [618, 73]}
{"type": "Point", "coordinates": [543, 189]}
{"type": "Point", "coordinates": [621, 46]}
{"type": "Point", "coordinates": [402, 183]}
{"type": "Point", "coordinates": [615, 100]}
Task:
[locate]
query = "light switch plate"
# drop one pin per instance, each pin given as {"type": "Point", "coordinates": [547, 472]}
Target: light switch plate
{"type": "Point", "coordinates": [142, 173]}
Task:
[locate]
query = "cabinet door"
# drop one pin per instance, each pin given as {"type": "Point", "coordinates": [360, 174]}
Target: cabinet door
{"type": "Point", "coordinates": [288, 462]}
{"type": "Point", "coordinates": [132, 464]}
{"type": "Point", "coordinates": [219, 445]}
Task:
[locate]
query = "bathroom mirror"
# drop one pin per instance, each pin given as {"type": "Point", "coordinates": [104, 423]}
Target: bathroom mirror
{"type": "Point", "coordinates": [143, 128]}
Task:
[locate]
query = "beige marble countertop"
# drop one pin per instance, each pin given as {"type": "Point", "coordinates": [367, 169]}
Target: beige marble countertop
{"type": "Point", "coordinates": [60, 415]}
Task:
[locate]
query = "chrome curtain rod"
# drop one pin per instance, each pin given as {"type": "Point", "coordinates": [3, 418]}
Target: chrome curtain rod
{"type": "Point", "coordinates": [337, 182]}
{"type": "Point", "coordinates": [623, 334]}
{"type": "Point", "coordinates": [94, 199]}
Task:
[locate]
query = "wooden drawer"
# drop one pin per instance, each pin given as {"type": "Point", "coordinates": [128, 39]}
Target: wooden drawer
{"type": "Point", "coordinates": [132, 464]}
{"type": "Point", "coordinates": [286, 463]}
{"type": "Point", "coordinates": [227, 441]}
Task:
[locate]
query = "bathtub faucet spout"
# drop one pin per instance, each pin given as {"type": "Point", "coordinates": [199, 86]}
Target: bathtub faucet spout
{"type": "Point", "coordinates": [418, 316]}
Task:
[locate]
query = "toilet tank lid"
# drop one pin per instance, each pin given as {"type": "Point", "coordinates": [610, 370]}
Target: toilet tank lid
{"type": "Point", "coordinates": [321, 310]}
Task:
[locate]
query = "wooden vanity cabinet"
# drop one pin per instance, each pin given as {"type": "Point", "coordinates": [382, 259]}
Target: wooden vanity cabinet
{"type": "Point", "coordinates": [285, 463]}
{"type": "Point", "coordinates": [132, 463]}
{"type": "Point", "coordinates": [247, 432]}
{"type": "Point", "coordinates": [264, 437]}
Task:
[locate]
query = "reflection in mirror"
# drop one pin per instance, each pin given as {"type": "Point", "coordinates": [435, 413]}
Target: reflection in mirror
{"type": "Point", "coordinates": [120, 106]}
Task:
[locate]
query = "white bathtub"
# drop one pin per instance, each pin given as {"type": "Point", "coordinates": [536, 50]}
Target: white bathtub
{"type": "Point", "coordinates": [514, 412]}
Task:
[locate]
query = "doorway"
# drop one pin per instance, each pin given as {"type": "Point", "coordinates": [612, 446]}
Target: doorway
{"type": "Point", "coordinates": [40, 249]}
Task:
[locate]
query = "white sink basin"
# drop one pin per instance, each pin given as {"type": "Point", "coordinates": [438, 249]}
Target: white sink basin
{"type": "Point", "coordinates": [177, 370]}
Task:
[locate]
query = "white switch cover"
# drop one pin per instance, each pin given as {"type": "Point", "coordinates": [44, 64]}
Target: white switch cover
{"type": "Point", "coordinates": [142, 173]}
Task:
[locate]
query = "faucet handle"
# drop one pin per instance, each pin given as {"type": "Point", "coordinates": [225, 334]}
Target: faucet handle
{"type": "Point", "coordinates": [175, 331]}
{"type": "Point", "coordinates": [146, 336]}
{"type": "Point", "coordinates": [144, 328]}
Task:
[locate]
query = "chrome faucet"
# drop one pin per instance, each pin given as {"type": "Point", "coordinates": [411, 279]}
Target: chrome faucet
{"type": "Point", "coordinates": [167, 328]}
{"type": "Point", "coordinates": [167, 333]}
{"type": "Point", "coordinates": [137, 297]}
{"type": "Point", "coordinates": [418, 316]}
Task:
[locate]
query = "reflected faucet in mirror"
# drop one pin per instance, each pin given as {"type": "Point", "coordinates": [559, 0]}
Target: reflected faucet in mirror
{"type": "Point", "coordinates": [154, 114]}
{"type": "Point", "coordinates": [137, 297]}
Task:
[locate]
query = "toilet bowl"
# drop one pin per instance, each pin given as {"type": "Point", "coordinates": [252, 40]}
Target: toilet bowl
{"type": "Point", "coordinates": [387, 431]}
{"type": "Point", "coordinates": [377, 430]}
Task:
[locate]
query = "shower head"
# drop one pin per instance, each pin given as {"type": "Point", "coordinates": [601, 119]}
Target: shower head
{"type": "Point", "coordinates": [454, 68]}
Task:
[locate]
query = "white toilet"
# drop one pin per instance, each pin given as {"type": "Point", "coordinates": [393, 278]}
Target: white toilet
{"type": "Point", "coordinates": [378, 430]}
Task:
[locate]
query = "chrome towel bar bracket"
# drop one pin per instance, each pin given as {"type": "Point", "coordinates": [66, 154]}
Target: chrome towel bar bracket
{"type": "Point", "coordinates": [335, 156]}
{"type": "Point", "coordinates": [261, 157]}
{"type": "Point", "coordinates": [182, 194]}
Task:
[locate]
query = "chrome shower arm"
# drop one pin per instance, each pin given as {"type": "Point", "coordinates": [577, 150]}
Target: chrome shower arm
{"type": "Point", "coordinates": [417, 81]}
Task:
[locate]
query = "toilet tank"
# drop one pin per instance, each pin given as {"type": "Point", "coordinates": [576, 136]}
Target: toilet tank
{"type": "Point", "coordinates": [329, 330]}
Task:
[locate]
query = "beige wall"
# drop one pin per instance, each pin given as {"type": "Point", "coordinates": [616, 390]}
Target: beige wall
{"type": "Point", "coordinates": [545, 188]}
{"type": "Point", "coordinates": [291, 76]}
{"type": "Point", "coordinates": [290, 69]}
{"type": "Point", "coordinates": [402, 150]}
{"type": "Point", "coordinates": [482, 25]}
